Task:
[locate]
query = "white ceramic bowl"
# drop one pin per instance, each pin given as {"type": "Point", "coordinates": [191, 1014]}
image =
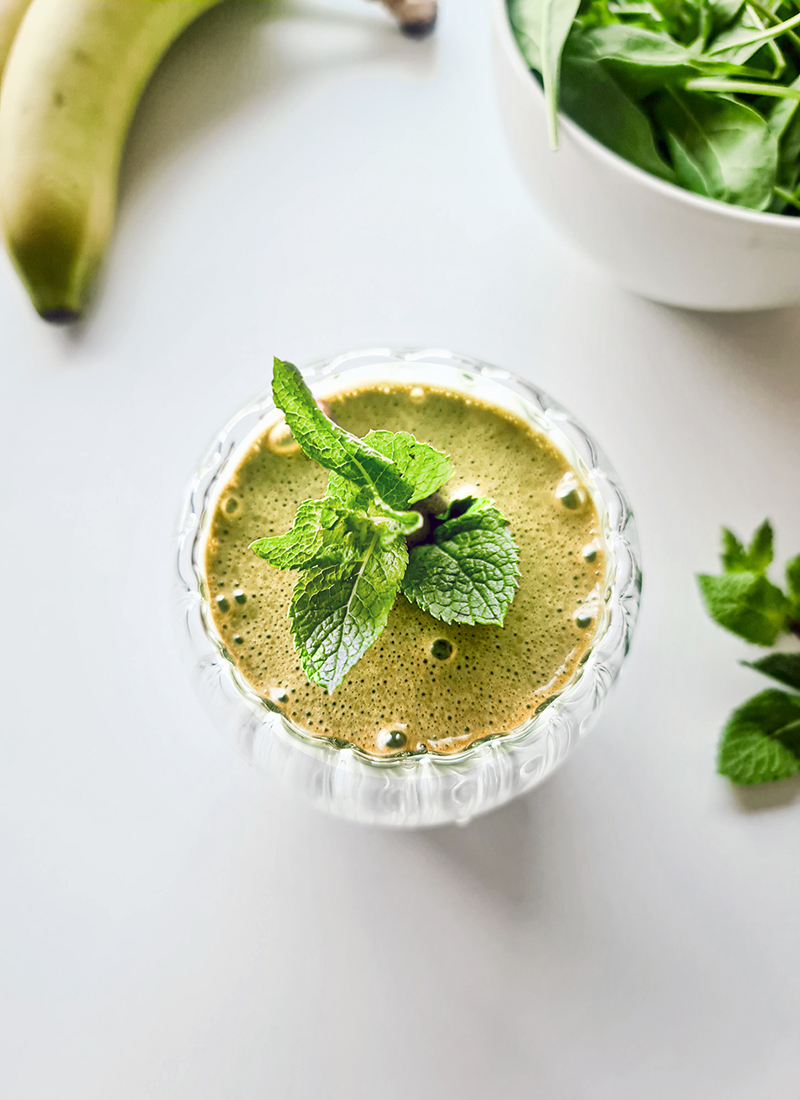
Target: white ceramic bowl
{"type": "Point", "coordinates": [652, 237]}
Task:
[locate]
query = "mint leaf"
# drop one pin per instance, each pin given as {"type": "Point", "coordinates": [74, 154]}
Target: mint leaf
{"type": "Point", "coordinates": [324, 534]}
{"type": "Point", "coordinates": [469, 572]}
{"type": "Point", "coordinates": [793, 580]}
{"type": "Point", "coordinates": [346, 494]}
{"type": "Point", "coordinates": [332, 446]}
{"type": "Point", "coordinates": [734, 555]}
{"type": "Point", "coordinates": [425, 468]}
{"type": "Point", "coordinates": [793, 577]}
{"type": "Point", "coordinates": [761, 741]}
{"type": "Point", "coordinates": [422, 468]}
{"type": "Point", "coordinates": [783, 667]}
{"type": "Point", "coordinates": [760, 551]}
{"type": "Point", "coordinates": [319, 533]}
{"type": "Point", "coordinates": [469, 514]}
{"type": "Point", "coordinates": [747, 604]}
{"type": "Point", "coordinates": [337, 611]}
{"type": "Point", "coordinates": [757, 558]}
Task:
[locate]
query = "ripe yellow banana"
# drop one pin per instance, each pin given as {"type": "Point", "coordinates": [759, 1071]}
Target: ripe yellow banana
{"type": "Point", "coordinates": [73, 79]}
{"type": "Point", "coordinates": [11, 13]}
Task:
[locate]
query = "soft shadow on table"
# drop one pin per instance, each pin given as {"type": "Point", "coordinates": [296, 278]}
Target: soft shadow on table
{"type": "Point", "coordinates": [762, 348]}
{"type": "Point", "coordinates": [498, 854]}
{"type": "Point", "coordinates": [225, 61]}
{"type": "Point", "coordinates": [767, 796]}
{"type": "Point", "coordinates": [492, 852]}
{"type": "Point", "coordinates": [238, 53]}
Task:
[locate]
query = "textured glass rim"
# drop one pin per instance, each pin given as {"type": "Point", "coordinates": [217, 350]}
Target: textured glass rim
{"type": "Point", "coordinates": [599, 667]}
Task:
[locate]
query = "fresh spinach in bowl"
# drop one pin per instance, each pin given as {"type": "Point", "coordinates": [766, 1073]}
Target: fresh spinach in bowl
{"type": "Point", "coordinates": [702, 93]}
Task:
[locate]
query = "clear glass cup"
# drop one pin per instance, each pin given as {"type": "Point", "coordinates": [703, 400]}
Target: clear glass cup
{"type": "Point", "coordinates": [417, 788]}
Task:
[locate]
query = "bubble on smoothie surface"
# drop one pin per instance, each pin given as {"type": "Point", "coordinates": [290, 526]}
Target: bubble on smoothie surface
{"type": "Point", "coordinates": [585, 616]}
{"type": "Point", "coordinates": [232, 506]}
{"type": "Point", "coordinates": [393, 738]}
{"type": "Point", "coordinates": [281, 441]}
{"type": "Point", "coordinates": [492, 679]}
{"type": "Point", "coordinates": [569, 492]}
{"type": "Point", "coordinates": [441, 649]}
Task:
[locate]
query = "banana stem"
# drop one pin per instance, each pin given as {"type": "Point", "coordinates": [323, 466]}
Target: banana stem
{"type": "Point", "coordinates": [416, 17]}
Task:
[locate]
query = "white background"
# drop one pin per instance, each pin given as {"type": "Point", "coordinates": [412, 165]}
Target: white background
{"type": "Point", "coordinates": [172, 925]}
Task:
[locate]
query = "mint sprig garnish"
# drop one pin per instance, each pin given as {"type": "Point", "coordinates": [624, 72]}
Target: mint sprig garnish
{"type": "Point", "coordinates": [761, 740]}
{"type": "Point", "coordinates": [469, 569]}
{"type": "Point", "coordinates": [743, 600]}
{"type": "Point", "coordinates": [351, 550]}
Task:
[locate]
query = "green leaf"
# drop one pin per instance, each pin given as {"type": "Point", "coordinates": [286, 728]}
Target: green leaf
{"type": "Point", "coordinates": [318, 533]}
{"type": "Point", "coordinates": [761, 551]}
{"type": "Point", "coordinates": [469, 514]}
{"type": "Point", "coordinates": [337, 611]}
{"type": "Point", "coordinates": [784, 121]}
{"type": "Point", "coordinates": [469, 572]}
{"type": "Point", "coordinates": [783, 667]}
{"type": "Point", "coordinates": [423, 467]}
{"type": "Point", "coordinates": [332, 446]}
{"type": "Point", "coordinates": [347, 495]}
{"type": "Point", "coordinates": [593, 99]}
{"type": "Point", "coordinates": [542, 27]}
{"type": "Point", "coordinates": [747, 604]}
{"type": "Point", "coordinates": [719, 147]}
{"type": "Point", "coordinates": [781, 115]}
{"type": "Point", "coordinates": [757, 558]}
{"type": "Point", "coordinates": [526, 19]}
{"type": "Point", "coordinates": [682, 19]}
{"type": "Point", "coordinates": [734, 555]}
{"type": "Point", "coordinates": [723, 12]}
{"type": "Point", "coordinates": [793, 577]}
{"type": "Point", "coordinates": [737, 39]}
{"type": "Point", "coordinates": [761, 740]}
{"type": "Point", "coordinates": [743, 41]}
{"type": "Point", "coordinates": [641, 61]}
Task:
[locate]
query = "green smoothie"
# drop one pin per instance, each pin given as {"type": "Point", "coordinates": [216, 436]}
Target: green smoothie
{"type": "Point", "coordinates": [424, 683]}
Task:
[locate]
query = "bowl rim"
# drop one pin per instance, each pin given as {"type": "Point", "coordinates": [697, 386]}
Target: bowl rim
{"type": "Point", "coordinates": [669, 191]}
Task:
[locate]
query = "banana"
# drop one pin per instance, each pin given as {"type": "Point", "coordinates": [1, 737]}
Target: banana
{"type": "Point", "coordinates": [72, 82]}
{"type": "Point", "coordinates": [11, 13]}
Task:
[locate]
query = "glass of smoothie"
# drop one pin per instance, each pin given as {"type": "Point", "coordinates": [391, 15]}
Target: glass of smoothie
{"type": "Point", "coordinates": [437, 722]}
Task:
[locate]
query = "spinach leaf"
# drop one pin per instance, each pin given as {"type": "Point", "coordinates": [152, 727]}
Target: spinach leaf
{"type": "Point", "coordinates": [722, 12]}
{"type": "Point", "coordinates": [639, 60]}
{"type": "Point", "coordinates": [593, 99]}
{"type": "Point", "coordinates": [746, 32]}
{"type": "Point", "coordinates": [545, 25]}
{"type": "Point", "coordinates": [719, 147]}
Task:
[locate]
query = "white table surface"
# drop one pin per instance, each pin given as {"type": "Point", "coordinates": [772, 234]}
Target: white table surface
{"type": "Point", "coordinates": [173, 926]}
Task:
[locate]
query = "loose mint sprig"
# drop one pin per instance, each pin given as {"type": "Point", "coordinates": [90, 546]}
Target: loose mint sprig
{"type": "Point", "coordinates": [351, 547]}
{"type": "Point", "coordinates": [761, 740]}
